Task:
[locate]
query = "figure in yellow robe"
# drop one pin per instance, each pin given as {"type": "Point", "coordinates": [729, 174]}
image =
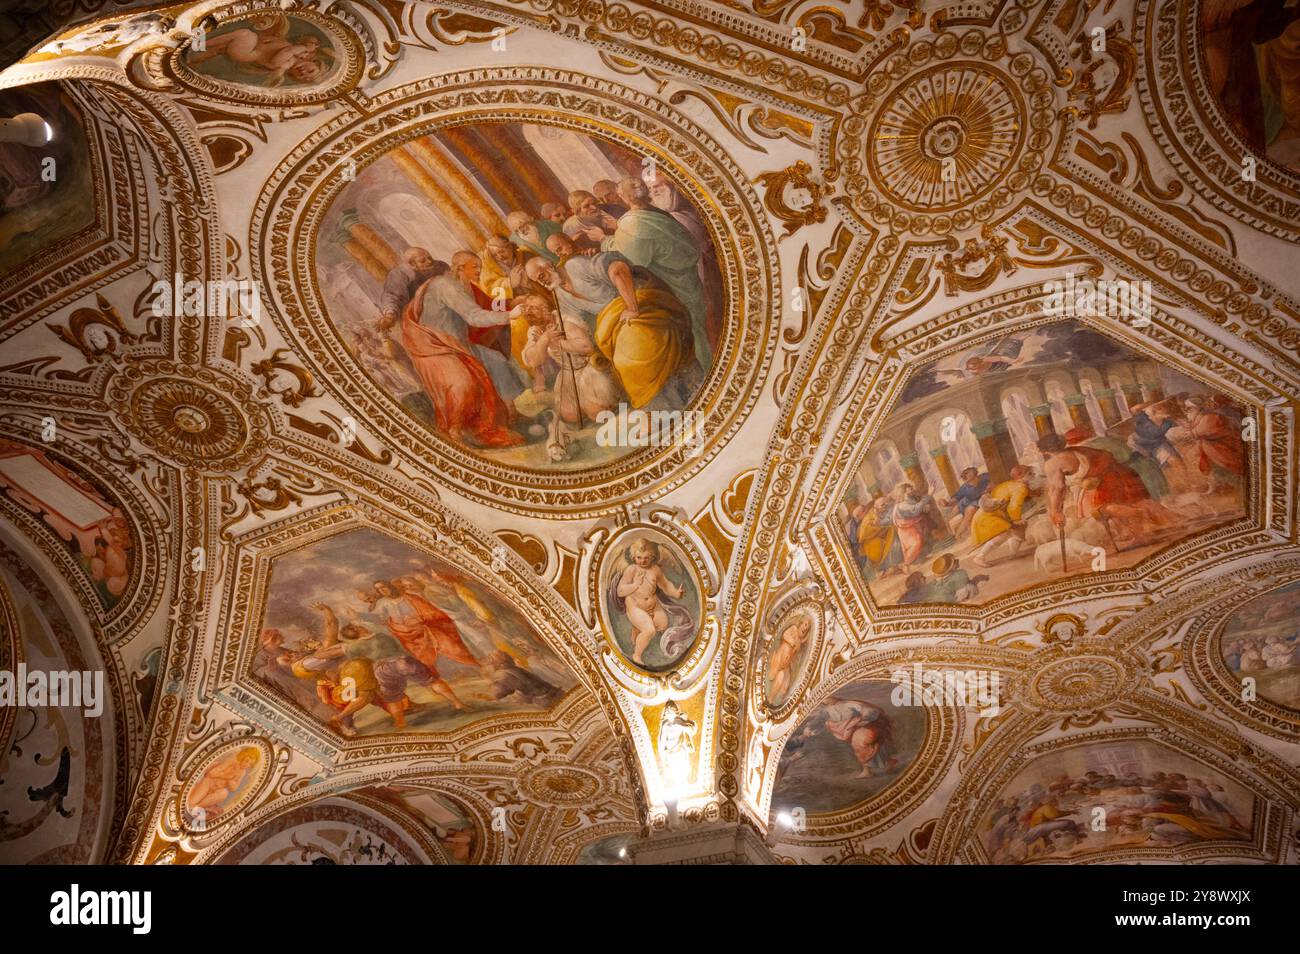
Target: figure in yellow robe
{"type": "Point", "coordinates": [999, 511]}
{"type": "Point", "coordinates": [878, 537]}
{"type": "Point", "coordinates": [648, 349]}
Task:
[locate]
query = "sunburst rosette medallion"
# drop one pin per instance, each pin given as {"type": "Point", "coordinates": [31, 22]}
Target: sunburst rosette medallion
{"type": "Point", "coordinates": [946, 135]}
{"type": "Point", "coordinates": [564, 786]}
{"type": "Point", "coordinates": [194, 416]}
{"type": "Point", "coordinates": [1080, 680]}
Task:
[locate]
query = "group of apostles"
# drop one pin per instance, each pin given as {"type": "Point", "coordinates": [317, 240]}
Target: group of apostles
{"type": "Point", "coordinates": [613, 299]}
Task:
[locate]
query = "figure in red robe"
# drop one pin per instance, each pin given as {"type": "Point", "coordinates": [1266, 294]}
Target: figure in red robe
{"type": "Point", "coordinates": [425, 631]}
{"type": "Point", "coordinates": [465, 398]}
{"type": "Point", "coordinates": [1217, 429]}
{"type": "Point", "coordinates": [1108, 490]}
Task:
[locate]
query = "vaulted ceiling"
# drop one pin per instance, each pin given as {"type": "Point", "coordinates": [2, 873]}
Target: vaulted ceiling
{"type": "Point", "coordinates": [539, 431]}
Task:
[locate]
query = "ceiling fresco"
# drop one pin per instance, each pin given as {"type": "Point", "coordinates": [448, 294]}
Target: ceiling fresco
{"type": "Point", "coordinates": [370, 634]}
{"type": "Point", "coordinates": [1035, 452]}
{"type": "Point", "coordinates": [531, 432]}
{"type": "Point", "coordinates": [558, 366]}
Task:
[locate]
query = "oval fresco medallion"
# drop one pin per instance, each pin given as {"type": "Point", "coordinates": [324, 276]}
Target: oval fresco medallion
{"type": "Point", "coordinates": [850, 748]}
{"type": "Point", "coordinates": [270, 57]}
{"type": "Point", "coordinates": [787, 657]}
{"type": "Point", "coordinates": [1261, 641]}
{"type": "Point", "coordinates": [651, 602]}
{"type": "Point", "coordinates": [536, 296]}
{"type": "Point", "coordinates": [226, 781]}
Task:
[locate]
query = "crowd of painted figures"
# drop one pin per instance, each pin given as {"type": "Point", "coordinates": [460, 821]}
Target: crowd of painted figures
{"type": "Point", "coordinates": [615, 299]}
{"type": "Point", "coordinates": [1074, 493]}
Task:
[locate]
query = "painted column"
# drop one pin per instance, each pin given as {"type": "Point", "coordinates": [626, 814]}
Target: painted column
{"type": "Point", "coordinates": [465, 191]}
{"type": "Point", "coordinates": [1043, 423]}
{"type": "Point", "coordinates": [431, 184]}
{"type": "Point", "coordinates": [490, 167]}
{"type": "Point", "coordinates": [1077, 405]}
{"type": "Point", "coordinates": [998, 449]}
{"type": "Point", "coordinates": [1110, 412]}
{"type": "Point", "coordinates": [912, 467]}
{"type": "Point", "coordinates": [373, 242]}
{"type": "Point", "coordinates": [1132, 394]}
{"type": "Point", "coordinates": [362, 251]}
{"type": "Point", "coordinates": [944, 465]}
{"type": "Point", "coordinates": [536, 174]}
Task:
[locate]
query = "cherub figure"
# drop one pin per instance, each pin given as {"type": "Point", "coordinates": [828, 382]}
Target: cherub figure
{"type": "Point", "coordinates": [644, 593]}
{"type": "Point", "coordinates": [267, 46]}
{"type": "Point", "coordinates": [222, 781]}
{"type": "Point", "coordinates": [787, 648]}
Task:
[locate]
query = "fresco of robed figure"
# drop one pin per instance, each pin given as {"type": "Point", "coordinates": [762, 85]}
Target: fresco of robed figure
{"type": "Point", "coordinates": [1252, 60]}
{"type": "Point", "coordinates": [373, 636]}
{"type": "Point", "coordinates": [848, 749]}
{"type": "Point", "coordinates": [1042, 453]}
{"type": "Point", "coordinates": [511, 285]}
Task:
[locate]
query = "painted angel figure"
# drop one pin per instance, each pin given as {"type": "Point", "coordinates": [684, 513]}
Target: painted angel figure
{"type": "Point", "coordinates": [641, 590]}
{"type": "Point", "coordinates": [999, 355]}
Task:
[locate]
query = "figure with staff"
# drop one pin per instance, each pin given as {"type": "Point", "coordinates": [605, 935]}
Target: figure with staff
{"type": "Point", "coordinates": [635, 323]}
{"type": "Point", "coordinates": [584, 386]}
{"type": "Point", "coordinates": [1108, 490]}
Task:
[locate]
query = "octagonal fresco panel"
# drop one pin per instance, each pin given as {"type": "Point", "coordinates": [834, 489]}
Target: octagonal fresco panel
{"type": "Point", "coordinates": [533, 294]}
{"type": "Point", "coordinates": [1152, 797]}
{"type": "Point", "coordinates": [1262, 641]}
{"type": "Point", "coordinates": [849, 748]}
{"type": "Point", "coordinates": [1040, 454]}
{"type": "Point", "coordinates": [1252, 59]}
{"type": "Point", "coordinates": [373, 636]}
